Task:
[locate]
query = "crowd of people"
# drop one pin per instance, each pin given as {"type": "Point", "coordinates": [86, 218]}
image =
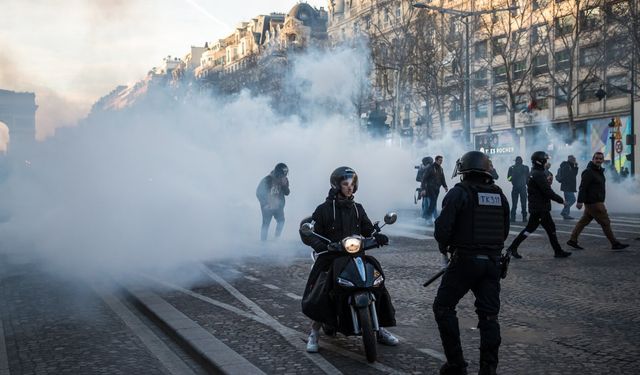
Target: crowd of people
{"type": "Point", "coordinates": [471, 231]}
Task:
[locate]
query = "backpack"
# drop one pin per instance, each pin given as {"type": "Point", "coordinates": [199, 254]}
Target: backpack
{"type": "Point", "coordinates": [559, 175]}
{"type": "Point", "coordinates": [420, 173]}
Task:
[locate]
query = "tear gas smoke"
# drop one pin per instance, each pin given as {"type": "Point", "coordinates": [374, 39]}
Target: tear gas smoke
{"type": "Point", "coordinates": [4, 137]}
{"type": "Point", "coordinates": [157, 187]}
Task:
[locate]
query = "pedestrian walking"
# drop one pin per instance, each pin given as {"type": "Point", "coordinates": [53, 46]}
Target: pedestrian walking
{"type": "Point", "coordinates": [472, 227]}
{"type": "Point", "coordinates": [566, 176]}
{"type": "Point", "coordinates": [433, 180]}
{"type": "Point", "coordinates": [518, 175]}
{"type": "Point", "coordinates": [591, 194]}
{"type": "Point", "coordinates": [270, 193]}
{"type": "Point", "coordinates": [540, 195]}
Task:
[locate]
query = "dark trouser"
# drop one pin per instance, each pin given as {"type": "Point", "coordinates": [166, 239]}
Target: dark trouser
{"type": "Point", "coordinates": [515, 193]}
{"type": "Point", "coordinates": [432, 196]}
{"type": "Point", "coordinates": [569, 200]}
{"type": "Point", "coordinates": [596, 211]}
{"type": "Point", "coordinates": [482, 277]}
{"type": "Point", "coordinates": [536, 219]}
{"type": "Point", "coordinates": [267, 214]}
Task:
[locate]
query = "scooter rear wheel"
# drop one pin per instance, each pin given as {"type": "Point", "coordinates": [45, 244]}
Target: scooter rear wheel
{"type": "Point", "coordinates": [368, 334]}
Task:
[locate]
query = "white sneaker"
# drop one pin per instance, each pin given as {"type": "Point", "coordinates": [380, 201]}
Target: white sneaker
{"type": "Point", "coordinates": [386, 338]}
{"type": "Point", "coordinates": [312, 342]}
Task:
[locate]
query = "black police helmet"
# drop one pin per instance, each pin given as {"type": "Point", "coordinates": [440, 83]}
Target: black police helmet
{"type": "Point", "coordinates": [539, 157]}
{"type": "Point", "coordinates": [341, 174]}
{"type": "Point", "coordinates": [281, 170]}
{"type": "Point", "coordinates": [473, 162]}
{"type": "Point", "coordinates": [427, 160]}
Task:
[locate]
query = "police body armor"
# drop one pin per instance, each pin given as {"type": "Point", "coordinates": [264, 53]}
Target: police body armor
{"type": "Point", "coordinates": [480, 228]}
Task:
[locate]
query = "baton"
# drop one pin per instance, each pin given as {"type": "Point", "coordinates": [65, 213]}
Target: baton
{"type": "Point", "coordinates": [440, 273]}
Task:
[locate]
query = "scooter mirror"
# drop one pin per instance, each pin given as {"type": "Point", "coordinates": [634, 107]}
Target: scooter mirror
{"type": "Point", "coordinates": [390, 218]}
{"type": "Point", "coordinates": [306, 229]}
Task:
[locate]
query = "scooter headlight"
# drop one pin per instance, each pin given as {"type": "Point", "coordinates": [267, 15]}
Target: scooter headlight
{"type": "Point", "coordinates": [378, 281]}
{"type": "Point", "coordinates": [352, 244]}
{"type": "Point", "coordinates": [344, 282]}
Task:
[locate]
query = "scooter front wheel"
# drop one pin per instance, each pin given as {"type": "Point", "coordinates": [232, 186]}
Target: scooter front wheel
{"type": "Point", "coordinates": [368, 334]}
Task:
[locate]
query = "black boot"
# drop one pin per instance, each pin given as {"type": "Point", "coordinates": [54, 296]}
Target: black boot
{"type": "Point", "coordinates": [562, 254]}
{"type": "Point", "coordinates": [515, 254]}
{"type": "Point", "coordinates": [454, 369]}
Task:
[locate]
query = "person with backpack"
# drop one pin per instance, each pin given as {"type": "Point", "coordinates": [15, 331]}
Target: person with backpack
{"type": "Point", "coordinates": [567, 176]}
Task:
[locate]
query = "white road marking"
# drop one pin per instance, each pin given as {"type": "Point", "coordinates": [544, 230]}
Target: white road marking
{"type": "Point", "coordinates": [294, 296]}
{"type": "Point", "coordinates": [289, 334]}
{"type": "Point", "coordinates": [251, 278]}
{"type": "Point", "coordinates": [433, 353]}
{"type": "Point", "coordinates": [270, 286]}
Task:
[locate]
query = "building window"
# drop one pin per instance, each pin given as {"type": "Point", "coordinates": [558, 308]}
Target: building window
{"type": "Point", "coordinates": [590, 55]}
{"type": "Point", "coordinates": [482, 108]}
{"type": "Point", "coordinates": [456, 111]}
{"type": "Point", "coordinates": [540, 65]}
{"type": "Point", "coordinates": [563, 59]}
{"type": "Point", "coordinates": [480, 78]}
{"type": "Point", "coordinates": [590, 19]}
{"type": "Point", "coordinates": [398, 13]}
{"type": "Point", "coordinates": [541, 96]}
{"type": "Point", "coordinates": [564, 25]}
{"type": "Point", "coordinates": [481, 50]}
{"type": "Point", "coordinates": [617, 86]}
{"type": "Point", "coordinates": [561, 96]}
{"type": "Point", "coordinates": [616, 50]}
{"type": "Point", "coordinates": [539, 34]}
{"type": "Point", "coordinates": [499, 74]}
{"type": "Point", "coordinates": [588, 90]}
{"type": "Point", "coordinates": [519, 69]}
{"type": "Point", "coordinates": [522, 100]}
{"type": "Point", "coordinates": [499, 105]}
{"type": "Point", "coordinates": [498, 44]}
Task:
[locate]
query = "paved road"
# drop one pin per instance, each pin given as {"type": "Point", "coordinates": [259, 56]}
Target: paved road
{"type": "Point", "coordinates": [559, 316]}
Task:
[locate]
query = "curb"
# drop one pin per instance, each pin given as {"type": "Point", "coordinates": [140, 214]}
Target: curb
{"type": "Point", "coordinates": [213, 351]}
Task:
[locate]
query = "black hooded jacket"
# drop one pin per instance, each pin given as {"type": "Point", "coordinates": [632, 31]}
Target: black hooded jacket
{"type": "Point", "coordinates": [567, 176]}
{"type": "Point", "coordinates": [338, 218]}
{"type": "Point", "coordinates": [592, 185]}
{"type": "Point", "coordinates": [540, 192]}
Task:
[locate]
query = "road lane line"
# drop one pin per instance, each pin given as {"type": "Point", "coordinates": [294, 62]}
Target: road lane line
{"type": "Point", "coordinates": [433, 353]}
{"type": "Point", "coordinates": [271, 286]}
{"type": "Point", "coordinates": [294, 296]}
{"type": "Point", "coordinates": [251, 278]}
{"type": "Point", "coordinates": [301, 336]}
{"type": "Point", "coordinates": [289, 334]}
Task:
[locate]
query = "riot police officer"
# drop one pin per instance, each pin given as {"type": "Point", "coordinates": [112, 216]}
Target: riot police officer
{"type": "Point", "coordinates": [472, 227]}
{"type": "Point", "coordinates": [540, 195]}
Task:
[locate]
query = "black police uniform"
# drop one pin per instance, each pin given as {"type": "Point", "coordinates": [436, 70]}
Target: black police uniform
{"type": "Point", "coordinates": [473, 226]}
{"type": "Point", "coordinates": [540, 196]}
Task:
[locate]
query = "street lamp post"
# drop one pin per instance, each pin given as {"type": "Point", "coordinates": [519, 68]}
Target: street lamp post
{"type": "Point", "coordinates": [464, 18]}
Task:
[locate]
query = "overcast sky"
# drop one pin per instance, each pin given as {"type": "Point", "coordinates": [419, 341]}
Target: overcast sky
{"type": "Point", "coordinates": [71, 52]}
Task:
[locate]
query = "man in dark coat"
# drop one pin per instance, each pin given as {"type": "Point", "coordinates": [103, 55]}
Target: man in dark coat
{"type": "Point", "coordinates": [540, 196]}
{"type": "Point", "coordinates": [339, 217]}
{"type": "Point", "coordinates": [566, 176]}
{"type": "Point", "coordinates": [426, 163]}
{"type": "Point", "coordinates": [592, 194]}
{"type": "Point", "coordinates": [271, 192]}
{"type": "Point", "coordinates": [518, 175]}
{"type": "Point", "coordinates": [472, 227]}
{"type": "Point", "coordinates": [432, 181]}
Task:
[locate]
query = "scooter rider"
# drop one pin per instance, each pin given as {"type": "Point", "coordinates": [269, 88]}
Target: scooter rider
{"type": "Point", "coordinates": [338, 217]}
{"type": "Point", "coordinates": [473, 226]}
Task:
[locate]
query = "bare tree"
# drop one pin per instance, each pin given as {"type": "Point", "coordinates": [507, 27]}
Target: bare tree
{"type": "Point", "coordinates": [508, 48]}
{"type": "Point", "coordinates": [392, 37]}
{"type": "Point", "coordinates": [576, 49]}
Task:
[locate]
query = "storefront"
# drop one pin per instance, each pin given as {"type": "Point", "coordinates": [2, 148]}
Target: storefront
{"type": "Point", "coordinates": [600, 133]}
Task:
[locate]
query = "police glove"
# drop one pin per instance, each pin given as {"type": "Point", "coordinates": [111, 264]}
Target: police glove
{"type": "Point", "coordinates": [443, 248]}
{"type": "Point", "coordinates": [444, 260]}
{"type": "Point", "coordinates": [381, 239]}
{"type": "Point", "coordinates": [334, 246]}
